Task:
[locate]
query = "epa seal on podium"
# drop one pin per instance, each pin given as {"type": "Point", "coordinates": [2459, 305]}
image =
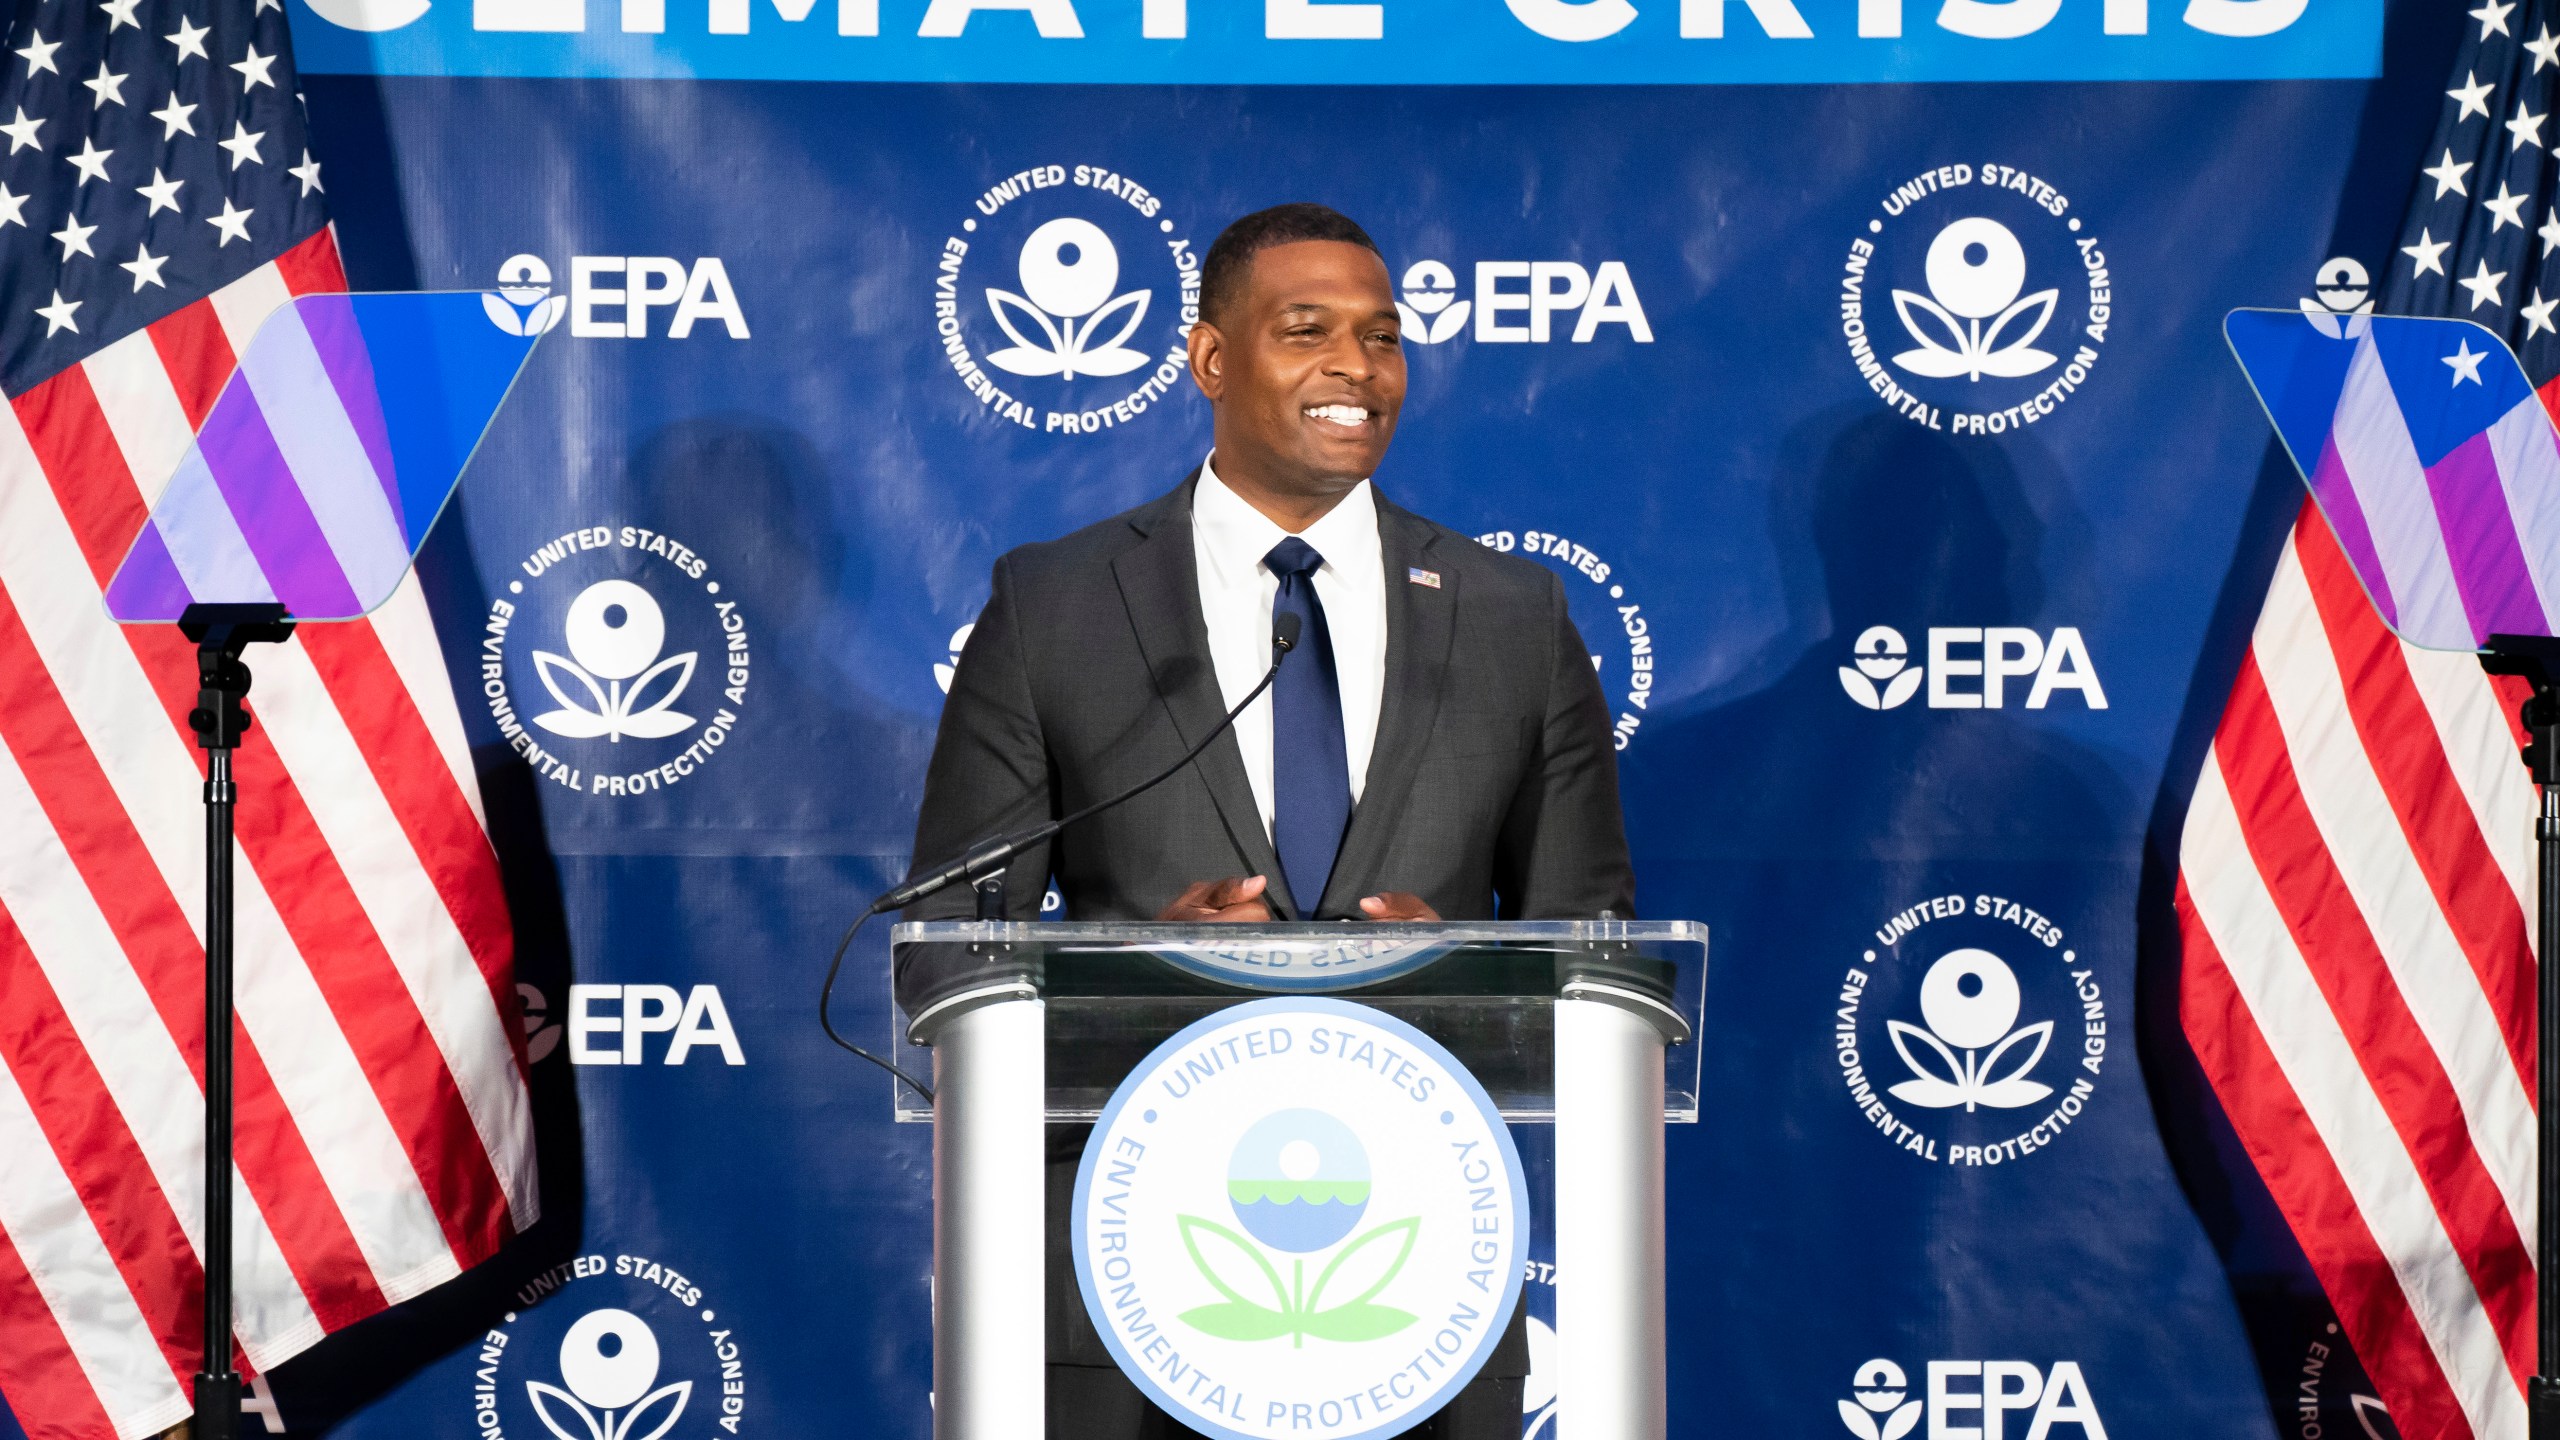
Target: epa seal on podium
{"type": "Point", "coordinates": [1300, 1217]}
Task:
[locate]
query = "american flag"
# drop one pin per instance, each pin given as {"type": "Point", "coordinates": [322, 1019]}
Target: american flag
{"type": "Point", "coordinates": [157, 200]}
{"type": "Point", "coordinates": [2356, 876]}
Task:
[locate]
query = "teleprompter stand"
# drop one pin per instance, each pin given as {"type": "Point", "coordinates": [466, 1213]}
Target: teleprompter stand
{"type": "Point", "coordinates": [220, 633]}
{"type": "Point", "coordinates": [390, 396]}
{"type": "Point", "coordinates": [2537, 659]}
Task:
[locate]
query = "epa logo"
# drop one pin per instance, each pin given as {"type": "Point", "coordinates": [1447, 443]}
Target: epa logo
{"type": "Point", "coordinates": [611, 296]}
{"type": "Point", "coordinates": [1972, 668]}
{"type": "Point", "coordinates": [1521, 302]}
{"type": "Point", "coordinates": [630, 1014]}
{"type": "Point", "coordinates": [1993, 1032]}
{"type": "Point", "coordinates": [1972, 322]}
{"type": "Point", "coordinates": [615, 633]}
{"type": "Point", "coordinates": [1069, 271]}
{"type": "Point", "coordinates": [1882, 677]}
{"type": "Point", "coordinates": [617, 1347]}
{"type": "Point", "coordinates": [640, 663]}
{"type": "Point", "coordinates": [1968, 1007]}
{"type": "Point", "coordinates": [1065, 304]}
{"type": "Point", "coordinates": [523, 303]}
{"type": "Point", "coordinates": [1976, 302]}
{"type": "Point", "coordinates": [1972, 1400]}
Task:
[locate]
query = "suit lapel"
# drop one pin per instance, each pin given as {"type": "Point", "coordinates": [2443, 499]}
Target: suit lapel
{"type": "Point", "coordinates": [1421, 621]}
{"type": "Point", "coordinates": [1160, 585]}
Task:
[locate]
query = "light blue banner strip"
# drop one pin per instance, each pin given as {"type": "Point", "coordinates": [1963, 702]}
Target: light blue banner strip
{"type": "Point", "coordinates": [1350, 42]}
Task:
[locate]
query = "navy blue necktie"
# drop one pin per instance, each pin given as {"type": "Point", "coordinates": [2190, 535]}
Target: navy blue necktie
{"type": "Point", "coordinates": [1310, 773]}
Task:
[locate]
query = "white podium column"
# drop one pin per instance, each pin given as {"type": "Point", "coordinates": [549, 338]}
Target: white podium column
{"type": "Point", "coordinates": [989, 1260]}
{"type": "Point", "coordinates": [1609, 1242]}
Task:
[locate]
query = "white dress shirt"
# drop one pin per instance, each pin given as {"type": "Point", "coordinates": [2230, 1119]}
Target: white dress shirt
{"type": "Point", "coordinates": [1228, 539]}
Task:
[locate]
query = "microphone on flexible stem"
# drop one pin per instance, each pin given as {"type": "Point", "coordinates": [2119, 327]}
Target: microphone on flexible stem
{"type": "Point", "coordinates": [983, 864]}
{"type": "Point", "coordinates": [991, 855]}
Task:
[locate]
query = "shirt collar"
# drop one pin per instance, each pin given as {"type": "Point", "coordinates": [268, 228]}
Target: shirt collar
{"type": "Point", "coordinates": [1237, 536]}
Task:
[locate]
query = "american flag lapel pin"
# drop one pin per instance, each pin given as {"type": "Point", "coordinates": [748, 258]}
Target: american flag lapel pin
{"type": "Point", "coordinates": [1420, 576]}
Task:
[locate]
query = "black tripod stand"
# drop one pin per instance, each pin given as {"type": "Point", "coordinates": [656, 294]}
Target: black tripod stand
{"type": "Point", "coordinates": [2537, 659]}
{"type": "Point", "coordinates": [220, 633]}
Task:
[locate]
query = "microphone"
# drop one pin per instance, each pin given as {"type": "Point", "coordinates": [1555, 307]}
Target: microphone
{"type": "Point", "coordinates": [993, 853]}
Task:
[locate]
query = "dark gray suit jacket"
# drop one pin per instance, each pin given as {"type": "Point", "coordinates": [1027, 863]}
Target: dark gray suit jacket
{"type": "Point", "coordinates": [1492, 790]}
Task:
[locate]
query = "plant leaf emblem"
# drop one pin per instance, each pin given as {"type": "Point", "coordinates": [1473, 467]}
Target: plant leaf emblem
{"type": "Point", "coordinates": [1371, 1261]}
{"type": "Point", "coordinates": [1860, 688]}
{"type": "Point", "coordinates": [2015, 358]}
{"type": "Point", "coordinates": [2014, 1089]}
{"type": "Point", "coordinates": [681, 1391]}
{"type": "Point", "coordinates": [1933, 359]}
{"type": "Point", "coordinates": [578, 722]}
{"type": "Point", "coordinates": [1227, 1245]}
{"type": "Point", "coordinates": [1026, 357]}
{"type": "Point", "coordinates": [1859, 1422]}
{"type": "Point", "coordinates": [654, 721]}
{"type": "Point", "coordinates": [1108, 358]}
{"type": "Point", "coordinates": [1928, 1090]}
{"type": "Point", "coordinates": [543, 1395]}
{"type": "Point", "coordinates": [501, 314]}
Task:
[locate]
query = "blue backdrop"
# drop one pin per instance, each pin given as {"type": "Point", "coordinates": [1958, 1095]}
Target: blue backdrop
{"type": "Point", "coordinates": [777, 398]}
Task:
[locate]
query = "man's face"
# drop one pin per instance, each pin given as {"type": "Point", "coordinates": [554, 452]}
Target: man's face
{"type": "Point", "coordinates": [1307, 368]}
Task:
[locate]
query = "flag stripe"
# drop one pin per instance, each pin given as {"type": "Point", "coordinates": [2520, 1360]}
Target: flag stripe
{"type": "Point", "coordinates": [2391, 1051]}
{"type": "Point", "coordinates": [244, 304]}
{"type": "Point", "coordinates": [239, 447]}
{"type": "Point", "coordinates": [2480, 538]}
{"type": "Point", "coordinates": [2320, 1070]}
{"type": "Point", "coordinates": [2302, 1176]}
{"type": "Point", "coordinates": [69, 1266]}
{"type": "Point", "coordinates": [70, 1102]}
{"type": "Point", "coordinates": [141, 407]}
{"type": "Point", "coordinates": [323, 456]}
{"type": "Point", "coordinates": [2337, 498]}
{"type": "Point", "coordinates": [409, 764]}
{"type": "Point", "coordinates": [2391, 487]}
{"type": "Point", "coordinates": [2363, 839]}
{"type": "Point", "coordinates": [194, 354]}
{"type": "Point", "coordinates": [2445, 838]}
{"type": "Point", "coordinates": [445, 990]}
{"type": "Point", "coordinates": [57, 923]}
{"type": "Point", "coordinates": [407, 635]}
{"type": "Point", "coordinates": [47, 1392]}
{"type": "Point", "coordinates": [2476, 729]}
{"type": "Point", "coordinates": [2529, 477]}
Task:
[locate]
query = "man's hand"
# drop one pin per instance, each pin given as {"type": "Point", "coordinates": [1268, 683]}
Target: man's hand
{"type": "Point", "coordinates": [1236, 898]}
{"type": "Point", "coordinates": [1397, 905]}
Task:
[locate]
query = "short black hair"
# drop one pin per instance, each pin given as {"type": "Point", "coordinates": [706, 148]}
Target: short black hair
{"type": "Point", "coordinates": [1231, 254]}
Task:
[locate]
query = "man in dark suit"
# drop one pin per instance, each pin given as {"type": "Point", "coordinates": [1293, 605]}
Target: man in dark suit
{"type": "Point", "coordinates": [1435, 746]}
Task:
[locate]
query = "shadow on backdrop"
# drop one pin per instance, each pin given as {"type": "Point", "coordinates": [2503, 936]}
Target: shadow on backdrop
{"type": "Point", "coordinates": [1908, 529]}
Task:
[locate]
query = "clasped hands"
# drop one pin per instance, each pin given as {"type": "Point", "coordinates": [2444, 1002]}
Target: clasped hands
{"type": "Point", "coordinates": [1240, 899]}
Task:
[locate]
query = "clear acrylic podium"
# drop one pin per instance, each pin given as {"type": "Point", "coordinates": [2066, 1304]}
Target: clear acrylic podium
{"type": "Point", "coordinates": [1583, 1024]}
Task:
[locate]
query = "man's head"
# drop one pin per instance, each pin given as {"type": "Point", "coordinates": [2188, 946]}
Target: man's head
{"type": "Point", "coordinates": [1299, 350]}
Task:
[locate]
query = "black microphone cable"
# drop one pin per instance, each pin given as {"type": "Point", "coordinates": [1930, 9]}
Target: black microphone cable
{"type": "Point", "coordinates": [1285, 631]}
{"type": "Point", "coordinates": [826, 993]}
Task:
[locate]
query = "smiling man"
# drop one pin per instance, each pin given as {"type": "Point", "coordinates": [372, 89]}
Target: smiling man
{"type": "Point", "coordinates": [1436, 745]}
